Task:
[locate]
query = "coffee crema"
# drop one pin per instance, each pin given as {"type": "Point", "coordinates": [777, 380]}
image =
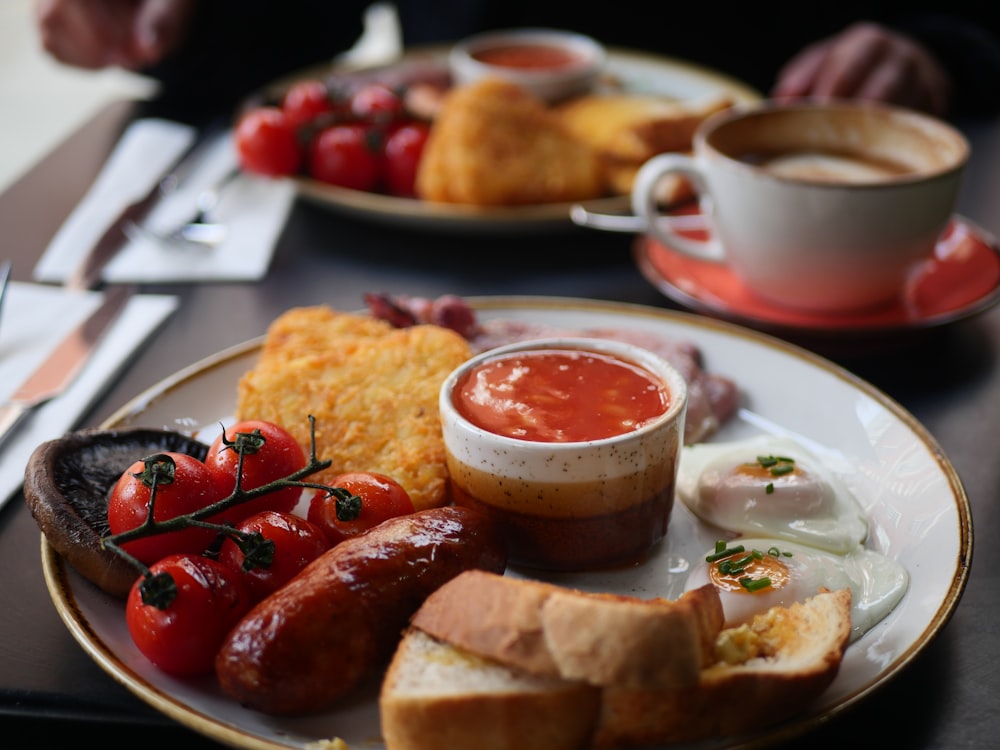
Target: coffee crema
{"type": "Point", "coordinates": [825, 166]}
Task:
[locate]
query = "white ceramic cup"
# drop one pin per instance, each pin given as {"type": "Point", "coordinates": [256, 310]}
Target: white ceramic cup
{"type": "Point", "coordinates": [570, 505]}
{"type": "Point", "coordinates": [817, 206]}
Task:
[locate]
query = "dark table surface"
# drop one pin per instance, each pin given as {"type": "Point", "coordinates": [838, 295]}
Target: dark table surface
{"type": "Point", "coordinates": [51, 691]}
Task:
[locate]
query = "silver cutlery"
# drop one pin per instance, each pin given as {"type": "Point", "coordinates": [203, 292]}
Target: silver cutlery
{"type": "Point", "coordinates": [196, 230]}
{"type": "Point", "coordinates": [87, 274]}
{"type": "Point", "coordinates": [62, 366]}
{"type": "Point", "coordinates": [582, 216]}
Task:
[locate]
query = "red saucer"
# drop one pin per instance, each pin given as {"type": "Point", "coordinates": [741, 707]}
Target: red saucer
{"type": "Point", "coordinates": [961, 280]}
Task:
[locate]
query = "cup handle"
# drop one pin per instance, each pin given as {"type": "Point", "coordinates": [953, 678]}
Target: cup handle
{"type": "Point", "coordinates": [644, 205]}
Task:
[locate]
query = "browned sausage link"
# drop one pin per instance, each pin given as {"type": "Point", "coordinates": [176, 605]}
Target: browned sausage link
{"type": "Point", "coordinates": [316, 638]}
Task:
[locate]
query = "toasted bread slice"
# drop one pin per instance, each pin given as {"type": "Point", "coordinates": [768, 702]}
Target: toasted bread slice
{"type": "Point", "coordinates": [495, 144]}
{"type": "Point", "coordinates": [436, 696]}
{"type": "Point", "coordinates": [554, 631]}
{"type": "Point", "coordinates": [372, 388]}
{"type": "Point", "coordinates": [629, 128]}
{"type": "Point", "coordinates": [633, 127]}
{"type": "Point", "coordinates": [767, 671]}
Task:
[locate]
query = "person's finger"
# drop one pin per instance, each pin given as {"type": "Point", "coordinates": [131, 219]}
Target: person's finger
{"type": "Point", "coordinates": [796, 78]}
{"type": "Point", "coordinates": [159, 27]}
{"type": "Point", "coordinates": [849, 63]}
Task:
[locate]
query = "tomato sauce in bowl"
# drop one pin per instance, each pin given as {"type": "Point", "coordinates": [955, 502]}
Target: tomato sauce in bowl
{"type": "Point", "coordinates": [552, 64]}
{"type": "Point", "coordinates": [560, 396]}
{"type": "Point", "coordinates": [529, 56]}
{"type": "Point", "coordinates": [571, 445]}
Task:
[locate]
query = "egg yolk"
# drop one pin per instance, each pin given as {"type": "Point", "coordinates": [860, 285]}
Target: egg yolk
{"type": "Point", "coordinates": [770, 487]}
{"type": "Point", "coordinates": [756, 568]}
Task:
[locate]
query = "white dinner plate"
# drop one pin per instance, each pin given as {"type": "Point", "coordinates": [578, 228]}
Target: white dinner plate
{"type": "Point", "coordinates": [910, 490]}
{"type": "Point", "coordinates": [626, 70]}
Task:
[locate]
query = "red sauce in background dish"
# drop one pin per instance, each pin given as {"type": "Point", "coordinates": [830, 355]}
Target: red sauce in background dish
{"type": "Point", "coordinates": [560, 396]}
{"type": "Point", "coordinates": [528, 56]}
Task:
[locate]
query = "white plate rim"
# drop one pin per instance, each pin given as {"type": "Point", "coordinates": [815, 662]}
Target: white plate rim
{"type": "Point", "coordinates": [61, 580]}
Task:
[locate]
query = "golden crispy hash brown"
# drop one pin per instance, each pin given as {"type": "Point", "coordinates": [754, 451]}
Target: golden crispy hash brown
{"type": "Point", "coordinates": [372, 388]}
{"type": "Point", "coordinates": [495, 144]}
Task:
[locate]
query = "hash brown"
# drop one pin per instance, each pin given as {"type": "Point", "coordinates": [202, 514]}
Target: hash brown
{"type": "Point", "coordinates": [372, 388]}
{"type": "Point", "coordinates": [495, 144]}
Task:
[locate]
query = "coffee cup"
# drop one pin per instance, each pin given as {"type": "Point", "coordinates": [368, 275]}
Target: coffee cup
{"type": "Point", "coordinates": [818, 206]}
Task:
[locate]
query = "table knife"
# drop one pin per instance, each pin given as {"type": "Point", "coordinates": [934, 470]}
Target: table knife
{"type": "Point", "coordinates": [87, 274]}
{"type": "Point", "coordinates": [62, 366]}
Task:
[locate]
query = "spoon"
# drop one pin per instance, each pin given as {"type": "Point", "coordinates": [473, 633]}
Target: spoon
{"type": "Point", "coordinates": [583, 217]}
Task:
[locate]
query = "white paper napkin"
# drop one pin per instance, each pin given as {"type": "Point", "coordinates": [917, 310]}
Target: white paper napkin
{"type": "Point", "coordinates": [254, 210]}
{"type": "Point", "coordinates": [35, 319]}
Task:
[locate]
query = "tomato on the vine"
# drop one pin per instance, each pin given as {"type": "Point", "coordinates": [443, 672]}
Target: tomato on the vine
{"type": "Point", "coordinates": [182, 635]}
{"type": "Point", "coordinates": [305, 101]}
{"type": "Point", "coordinates": [376, 101]}
{"type": "Point", "coordinates": [295, 542]}
{"type": "Point", "coordinates": [403, 148]}
{"type": "Point", "coordinates": [267, 143]}
{"type": "Point", "coordinates": [270, 452]}
{"type": "Point", "coordinates": [346, 155]}
{"type": "Point", "coordinates": [183, 485]}
{"type": "Point", "coordinates": [365, 499]}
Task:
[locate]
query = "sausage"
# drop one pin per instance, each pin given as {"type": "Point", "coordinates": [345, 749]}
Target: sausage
{"type": "Point", "coordinates": [313, 640]}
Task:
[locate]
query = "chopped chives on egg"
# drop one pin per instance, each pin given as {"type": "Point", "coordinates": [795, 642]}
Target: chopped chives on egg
{"type": "Point", "coordinates": [725, 552]}
{"type": "Point", "coordinates": [754, 584]}
{"type": "Point", "coordinates": [777, 466]}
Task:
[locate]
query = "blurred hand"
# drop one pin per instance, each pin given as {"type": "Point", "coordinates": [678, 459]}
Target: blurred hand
{"type": "Point", "coordinates": [867, 61]}
{"type": "Point", "coordinates": [97, 34]}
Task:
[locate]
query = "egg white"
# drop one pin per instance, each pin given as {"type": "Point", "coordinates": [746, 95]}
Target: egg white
{"type": "Point", "coordinates": [723, 484]}
{"type": "Point", "coordinates": [877, 583]}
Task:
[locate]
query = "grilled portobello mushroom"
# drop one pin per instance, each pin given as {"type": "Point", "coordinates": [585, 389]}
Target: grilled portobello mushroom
{"type": "Point", "coordinates": [66, 485]}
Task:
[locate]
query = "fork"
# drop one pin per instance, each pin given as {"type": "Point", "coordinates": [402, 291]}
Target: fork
{"type": "Point", "coordinates": [196, 230]}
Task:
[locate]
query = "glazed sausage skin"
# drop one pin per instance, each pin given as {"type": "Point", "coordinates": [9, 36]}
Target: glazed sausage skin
{"type": "Point", "coordinates": [316, 638]}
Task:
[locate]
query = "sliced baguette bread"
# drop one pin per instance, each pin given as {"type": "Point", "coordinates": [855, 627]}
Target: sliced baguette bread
{"type": "Point", "coordinates": [441, 697]}
{"type": "Point", "coordinates": [438, 695]}
{"type": "Point", "coordinates": [553, 631]}
{"type": "Point", "coordinates": [767, 671]}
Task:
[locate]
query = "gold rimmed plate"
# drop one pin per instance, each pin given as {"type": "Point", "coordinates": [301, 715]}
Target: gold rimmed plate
{"type": "Point", "coordinates": [911, 492]}
{"type": "Point", "coordinates": [626, 70]}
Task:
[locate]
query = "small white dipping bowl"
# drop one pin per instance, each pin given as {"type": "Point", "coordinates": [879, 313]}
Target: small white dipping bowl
{"type": "Point", "coordinates": [571, 505]}
{"type": "Point", "coordinates": [551, 63]}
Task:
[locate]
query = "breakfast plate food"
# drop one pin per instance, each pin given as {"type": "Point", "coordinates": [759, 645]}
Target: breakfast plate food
{"type": "Point", "coordinates": [906, 488]}
{"type": "Point", "coordinates": [960, 281]}
{"type": "Point", "coordinates": [626, 71]}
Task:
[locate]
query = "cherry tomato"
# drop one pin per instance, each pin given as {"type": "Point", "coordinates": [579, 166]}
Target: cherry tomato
{"type": "Point", "coordinates": [346, 155]}
{"type": "Point", "coordinates": [403, 149]}
{"type": "Point", "coordinates": [271, 452]}
{"type": "Point", "coordinates": [205, 601]}
{"type": "Point", "coordinates": [295, 542]}
{"type": "Point", "coordinates": [370, 498]}
{"type": "Point", "coordinates": [305, 101]}
{"type": "Point", "coordinates": [183, 485]}
{"type": "Point", "coordinates": [376, 102]}
{"type": "Point", "coordinates": [267, 143]}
